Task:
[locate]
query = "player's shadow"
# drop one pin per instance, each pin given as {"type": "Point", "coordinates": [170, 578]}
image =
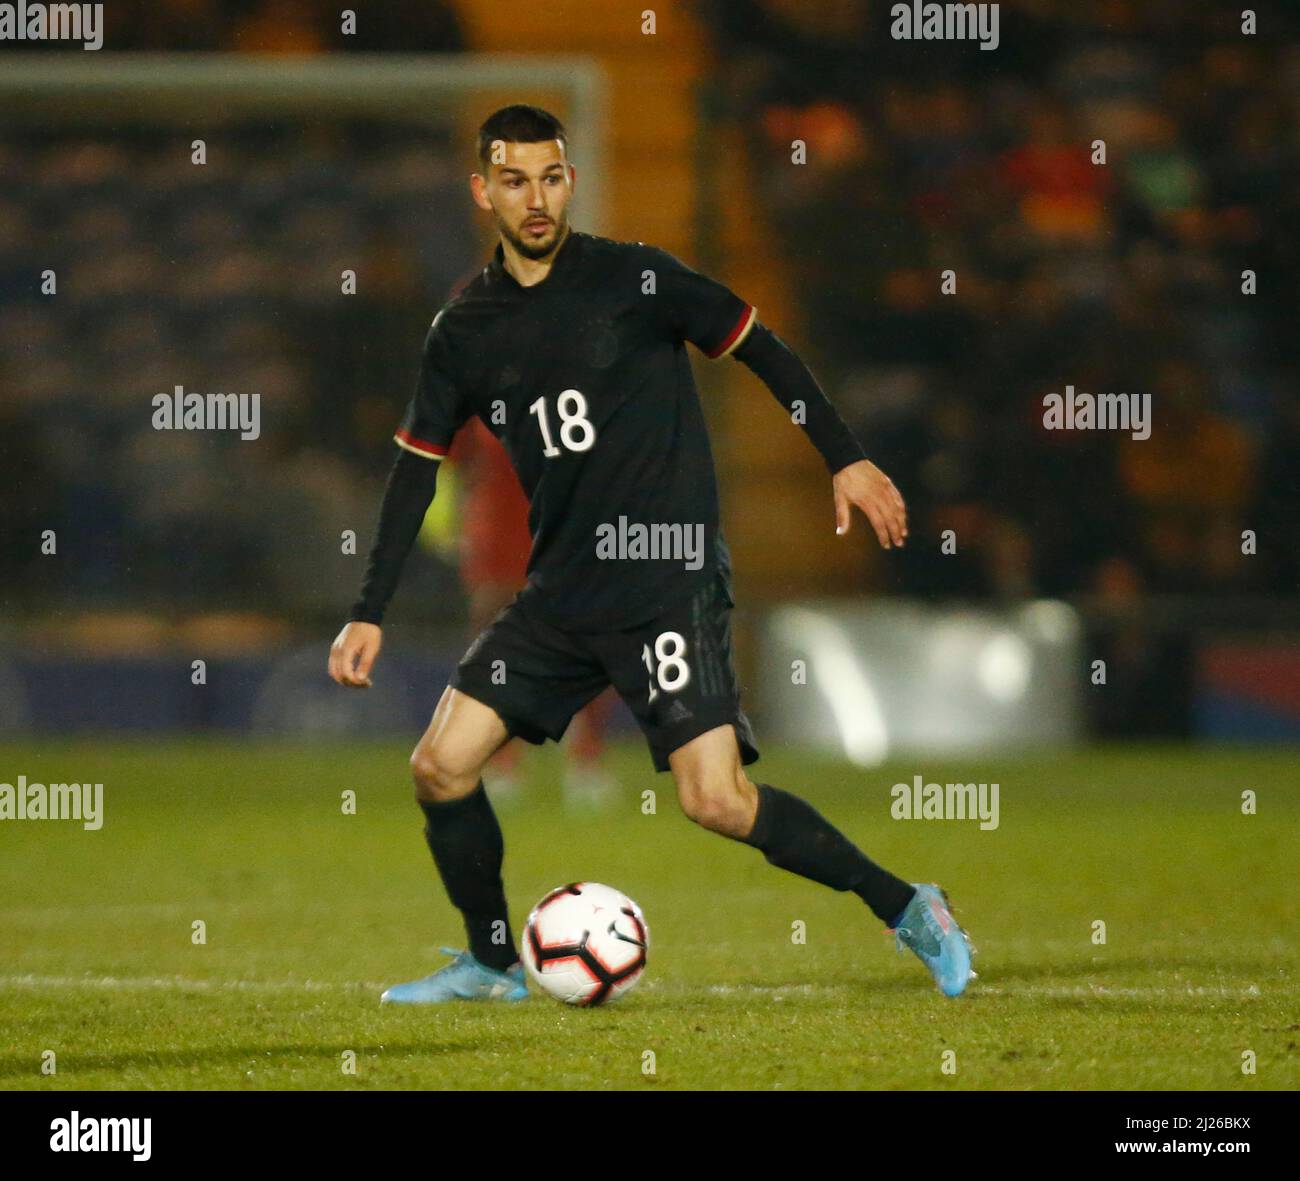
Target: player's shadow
{"type": "Point", "coordinates": [280, 1057]}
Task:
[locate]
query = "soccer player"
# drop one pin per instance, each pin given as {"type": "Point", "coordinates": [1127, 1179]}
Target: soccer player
{"type": "Point", "coordinates": [571, 349]}
{"type": "Point", "coordinates": [495, 544]}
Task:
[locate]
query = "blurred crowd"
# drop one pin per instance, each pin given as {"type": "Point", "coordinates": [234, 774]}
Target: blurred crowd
{"type": "Point", "coordinates": [222, 277]}
{"type": "Point", "coordinates": [1123, 276]}
{"type": "Point", "coordinates": [273, 26]}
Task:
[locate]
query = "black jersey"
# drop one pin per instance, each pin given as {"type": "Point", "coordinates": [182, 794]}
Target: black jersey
{"type": "Point", "coordinates": [584, 378]}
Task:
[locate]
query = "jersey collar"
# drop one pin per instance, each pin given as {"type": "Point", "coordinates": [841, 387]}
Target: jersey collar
{"type": "Point", "coordinates": [565, 259]}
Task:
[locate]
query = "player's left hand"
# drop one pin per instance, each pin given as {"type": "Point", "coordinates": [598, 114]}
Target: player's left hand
{"type": "Point", "coordinates": [865, 485]}
{"type": "Point", "coordinates": [354, 652]}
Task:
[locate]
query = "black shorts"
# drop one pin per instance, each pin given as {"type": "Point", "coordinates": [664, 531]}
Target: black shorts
{"type": "Point", "coordinates": [676, 673]}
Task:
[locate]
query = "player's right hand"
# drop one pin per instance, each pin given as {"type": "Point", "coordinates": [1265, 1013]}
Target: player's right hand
{"type": "Point", "coordinates": [353, 653]}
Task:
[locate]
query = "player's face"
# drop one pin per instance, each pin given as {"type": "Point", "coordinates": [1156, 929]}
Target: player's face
{"type": "Point", "coordinates": [527, 193]}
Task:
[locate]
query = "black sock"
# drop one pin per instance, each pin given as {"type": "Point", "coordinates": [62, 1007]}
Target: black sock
{"type": "Point", "coordinates": [793, 835]}
{"type": "Point", "coordinates": [465, 840]}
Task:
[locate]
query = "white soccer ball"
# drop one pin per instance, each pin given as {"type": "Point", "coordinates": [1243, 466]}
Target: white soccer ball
{"type": "Point", "coordinates": [585, 944]}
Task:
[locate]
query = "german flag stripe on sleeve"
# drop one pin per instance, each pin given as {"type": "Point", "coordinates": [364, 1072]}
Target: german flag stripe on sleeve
{"type": "Point", "coordinates": [408, 441]}
{"type": "Point", "coordinates": [733, 339]}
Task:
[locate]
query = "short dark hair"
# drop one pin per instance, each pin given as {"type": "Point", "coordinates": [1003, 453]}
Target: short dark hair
{"type": "Point", "coordinates": [518, 124]}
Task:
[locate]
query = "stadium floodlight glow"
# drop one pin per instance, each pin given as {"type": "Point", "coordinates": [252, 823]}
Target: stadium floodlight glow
{"type": "Point", "coordinates": [842, 682]}
{"type": "Point", "coordinates": [1004, 667]}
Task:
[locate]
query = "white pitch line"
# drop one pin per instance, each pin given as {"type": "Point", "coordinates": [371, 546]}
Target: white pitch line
{"type": "Point", "coordinates": [181, 983]}
{"type": "Point", "coordinates": [1030, 990]}
{"type": "Point", "coordinates": [774, 991]}
{"type": "Point", "coordinates": [1103, 990]}
{"type": "Point", "coordinates": [19, 914]}
{"type": "Point", "coordinates": [78, 911]}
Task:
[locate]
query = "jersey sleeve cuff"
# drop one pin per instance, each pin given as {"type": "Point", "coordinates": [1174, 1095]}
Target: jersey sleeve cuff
{"type": "Point", "coordinates": [363, 612]}
{"type": "Point", "coordinates": [736, 336]}
{"type": "Point", "coordinates": [417, 446]}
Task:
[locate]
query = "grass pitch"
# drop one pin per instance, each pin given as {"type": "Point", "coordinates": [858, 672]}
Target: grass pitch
{"type": "Point", "coordinates": [310, 912]}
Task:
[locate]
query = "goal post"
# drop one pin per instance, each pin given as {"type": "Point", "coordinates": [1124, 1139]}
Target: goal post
{"type": "Point", "coordinates": [453, 92]}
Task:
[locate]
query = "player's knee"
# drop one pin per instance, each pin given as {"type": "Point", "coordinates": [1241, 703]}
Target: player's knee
{"type": "Point", "coordinates": [439, 776]}
{"type": "Point", "coordinates": [721, 801]}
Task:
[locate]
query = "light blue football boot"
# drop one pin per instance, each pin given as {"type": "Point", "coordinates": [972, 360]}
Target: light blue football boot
{"type": "Point", "coordinates": [927, 927]}
{"type": "Point", "coordinates": [464, 979]}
